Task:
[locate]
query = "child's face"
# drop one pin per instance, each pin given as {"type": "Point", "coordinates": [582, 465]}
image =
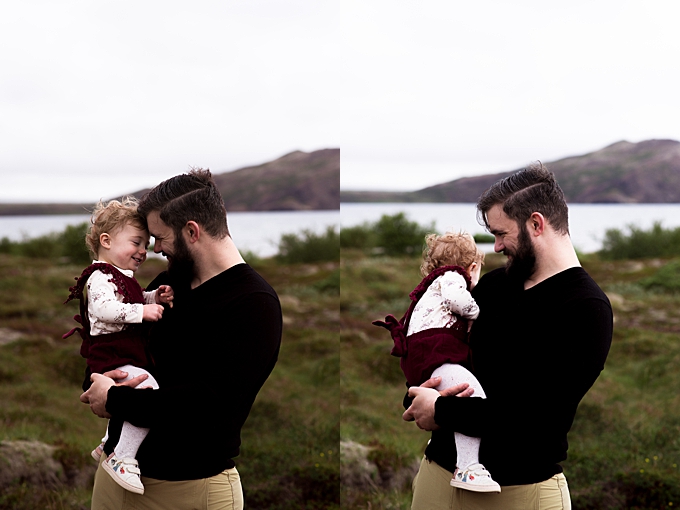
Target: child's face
{"type": "Point", "coordinates": [475, 270]}
{"type": "Point", "coordinates": [126, 248]}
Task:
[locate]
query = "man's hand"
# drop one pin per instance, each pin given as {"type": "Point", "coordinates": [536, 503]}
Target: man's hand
{"type": "Point", "coordinates": [97, 394]}
{"type": "Point", "coordinates": [165, 294]}
{"type": "Point", "coordinates": [424, 397]}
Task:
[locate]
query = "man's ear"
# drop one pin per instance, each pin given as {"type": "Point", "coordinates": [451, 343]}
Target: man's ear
{"type": "Point", "coordinates": [536, 224]}
{"type": "Point", "coordinates": [193, 230]}
{"type": "Point", "coordinates": [105, 240]}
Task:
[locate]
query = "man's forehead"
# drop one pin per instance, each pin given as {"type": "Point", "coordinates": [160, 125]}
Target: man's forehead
{"type": "Point", "coordinates": [156, 225]}
{"type": "Point", "coordinates": [496, 217]}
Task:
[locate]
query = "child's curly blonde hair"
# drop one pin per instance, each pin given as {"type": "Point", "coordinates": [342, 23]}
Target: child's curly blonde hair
{"type": "Point", "coordinates": [450, 249]}
{"type": "Point", "coordinates": [110, 217]}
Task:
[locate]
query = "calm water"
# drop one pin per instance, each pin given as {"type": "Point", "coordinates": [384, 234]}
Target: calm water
{"type": "Point", "coordinates": [258, 232]}
{"type": "Point", "coordinates": [587, 222]}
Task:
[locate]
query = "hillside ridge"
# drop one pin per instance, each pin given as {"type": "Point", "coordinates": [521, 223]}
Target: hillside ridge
{"type": "Point", "coordinates": [623, 172]}
{"type": "Point", "coordinates": [297, 181]}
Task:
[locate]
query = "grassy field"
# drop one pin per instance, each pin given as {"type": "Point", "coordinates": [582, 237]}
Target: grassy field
{"type": "Point", "coordinates": [289, 457]}
{"type": "Point", "coordinates": [625, 443]}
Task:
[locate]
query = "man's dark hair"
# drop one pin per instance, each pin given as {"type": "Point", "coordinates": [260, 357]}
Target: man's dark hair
{"type": "Point", "coordinates": [188, 197]}
{"type": "Point", "coordinates": [533, 189]}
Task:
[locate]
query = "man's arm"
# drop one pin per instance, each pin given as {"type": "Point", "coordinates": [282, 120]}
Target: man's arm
{"type": "Point", "coordinates": [423, 398]}
{"type": "Point", "coordinates": [558, 384]}
{"type": "Point", "coordinates": [252, 352]}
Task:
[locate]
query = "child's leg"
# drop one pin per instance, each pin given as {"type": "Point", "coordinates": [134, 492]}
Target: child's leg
{"type": "Point", "coordinates": [131, 437]}
{"type": "Point", "coordinates": [467, 447]}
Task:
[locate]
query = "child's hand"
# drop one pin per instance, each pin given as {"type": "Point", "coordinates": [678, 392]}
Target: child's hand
{"type": "Point", "coordinates": [165, 294]}
{"type": "Point", "coordinates": [152, 313]}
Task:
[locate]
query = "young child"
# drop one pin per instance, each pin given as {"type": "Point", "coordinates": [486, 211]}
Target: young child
{"type": "Point", "coordinates": [431, 338]}
{"type": "Point", "coordinates": [112, 315]}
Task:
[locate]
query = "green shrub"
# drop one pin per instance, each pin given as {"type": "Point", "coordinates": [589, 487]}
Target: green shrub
{"type": "Point", "coordinates": [638, 243]}
{"type": "Point", "coordinates": [309, 247]}
{"type": "Point", "coordinates": [69, 244]}
{"type": "Point", "coordinates": [484, 238]}
{"type": "Point", "coordinates": [360, 236]}
{"type": "Point", "coordinates": [72, 243]}
{"type": "Point", "coordinates": [666, 279]}
{"type": "Point", "coordinates": [396, 235]}
{"type": "Point", "coordinates": [392, 235]}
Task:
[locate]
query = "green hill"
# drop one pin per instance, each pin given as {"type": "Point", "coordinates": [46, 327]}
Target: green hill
{"type": "Point", "coordinates": [296, 181]}
{"type": "Point", "coordinates": [624, 172]}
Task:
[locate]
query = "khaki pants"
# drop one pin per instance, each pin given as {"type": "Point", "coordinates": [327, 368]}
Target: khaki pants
{"type": "Point", "coordinates": [220, 492]}
{"type": "Point", "coordinates": [431, 491]}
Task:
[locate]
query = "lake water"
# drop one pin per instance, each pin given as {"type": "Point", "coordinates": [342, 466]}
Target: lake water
{"type": "Point", "coordinates": [258, 232]}
{"type": "Point", "coordinates": [587, 222]}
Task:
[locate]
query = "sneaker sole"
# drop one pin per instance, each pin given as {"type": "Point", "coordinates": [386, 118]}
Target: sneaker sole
{"type": "Point", "coordinates": [95, 455]}
{"type": "Point", "coordinates": [121, 482]}
{"type": "Point", "coordinates": [475, 488]}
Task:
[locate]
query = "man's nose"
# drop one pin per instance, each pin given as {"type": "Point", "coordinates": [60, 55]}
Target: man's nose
{"type": "Point", "coordinates": [498, 245]}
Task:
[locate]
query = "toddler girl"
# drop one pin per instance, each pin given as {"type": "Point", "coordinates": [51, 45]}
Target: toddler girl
{"type": "Point", "coordinates": [112, 315]}
{"type": "Point", "coordinates": [431, 338]}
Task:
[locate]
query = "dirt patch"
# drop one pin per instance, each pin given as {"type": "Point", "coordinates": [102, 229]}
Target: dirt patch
{"type": "Point", "coordinates": [8, 336]}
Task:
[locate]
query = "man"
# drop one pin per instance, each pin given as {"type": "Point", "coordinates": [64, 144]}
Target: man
{"type": "Point", "coordinates": [540, 342]}
{"type": "Point", "coordinates": [213, 351]}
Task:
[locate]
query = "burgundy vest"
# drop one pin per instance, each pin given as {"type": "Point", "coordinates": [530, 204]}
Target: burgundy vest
{"type": "Point", "coordinates": [109, 351]}
{"type": "Point", "coordinates": [421, 353]}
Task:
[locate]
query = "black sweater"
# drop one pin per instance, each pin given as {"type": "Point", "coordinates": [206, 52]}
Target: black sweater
{"type": "Point", "coordinates": [536, 353]}
{"type": "Point", "coordinates": [213, 352]}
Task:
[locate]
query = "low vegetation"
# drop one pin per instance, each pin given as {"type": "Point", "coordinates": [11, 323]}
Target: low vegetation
{"type": "Point", "coordinates": [289, 457]}
{"type": "Point", "coordinates": [390, 235]}
{"type": "Point", "coordinates": [308, 246]}
{"type": "Point", "coordinates": [624, 446]}
{"type": "Point", "coordinates": [66, 246]}
{"type": "Point", "coordinates": [638, 243]}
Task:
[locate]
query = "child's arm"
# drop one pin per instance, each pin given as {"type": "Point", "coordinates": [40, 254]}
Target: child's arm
{"type": "Point", "coordinates": [456, 296]}
{"type": "Point", "coordinates": [104, 306]}
{"type": "Point", "coordinates": [162, 295]}
{"type": "Point", "coordinates": [165, 294]}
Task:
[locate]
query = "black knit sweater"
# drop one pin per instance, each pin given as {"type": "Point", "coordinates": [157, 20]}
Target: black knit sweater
{"type": "Point", "coordinates": [536, 353]}
{"type": "Point", "coordinates": [213, 352]}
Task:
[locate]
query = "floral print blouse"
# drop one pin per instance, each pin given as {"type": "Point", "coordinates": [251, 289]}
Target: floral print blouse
{"type": "Point", "coordinates": [105, 309]}
{"type": "Point", "coordinates": [444, 301]}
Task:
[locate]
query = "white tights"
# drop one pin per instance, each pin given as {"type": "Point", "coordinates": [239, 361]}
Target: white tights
{"type": "Point", "coordinates": [131, 437]}
{"type": "Point", "coordinates": [467, 447]}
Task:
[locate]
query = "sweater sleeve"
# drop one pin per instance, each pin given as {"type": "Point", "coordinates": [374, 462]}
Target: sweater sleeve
{"type": "Point", "coordinates": [230, 370]}
{"type": "Point", "coordinates": [563, 382]}
{"type": "Point", "coordinates": [456, 296]}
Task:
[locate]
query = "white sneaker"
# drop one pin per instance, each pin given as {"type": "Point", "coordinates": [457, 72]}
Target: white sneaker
{"type": "Point", "coordinates": [97, 452]}
{"type": "Point", "coordinates": [475, 478]}
{"type": "Point", "coordinates": [125, 473]}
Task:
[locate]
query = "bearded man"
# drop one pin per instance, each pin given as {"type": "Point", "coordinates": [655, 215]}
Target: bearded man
{"type": "Point", "coordinates": [540, 342]}
{"type": "Point", "coordinates": [213, 351]}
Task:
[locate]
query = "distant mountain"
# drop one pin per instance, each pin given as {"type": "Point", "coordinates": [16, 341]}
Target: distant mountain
{"type": "Point", "coordinates": [294, 182]}
{"type": "Point", "coordinates": [624, 172]}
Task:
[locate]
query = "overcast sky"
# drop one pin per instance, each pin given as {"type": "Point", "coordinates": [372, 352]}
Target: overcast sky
{"type": "Point", "coordinates": [106, 97]}
{"type": "Point", "coordinates": [100, 98]}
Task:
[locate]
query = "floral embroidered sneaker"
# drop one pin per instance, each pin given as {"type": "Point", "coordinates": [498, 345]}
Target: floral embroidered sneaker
{"type": "Point", "coordinates": [97, 452]}
{"type": "Point", "coordinates": [125, 473]}
{"type": "Point", "coordinates": [475, 478]}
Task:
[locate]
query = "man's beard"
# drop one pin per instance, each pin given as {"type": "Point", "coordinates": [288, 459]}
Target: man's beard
{"type": "Point", "coordinates": [522, 263]}
{"type": "Point", "coordinates": [181, 264]}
